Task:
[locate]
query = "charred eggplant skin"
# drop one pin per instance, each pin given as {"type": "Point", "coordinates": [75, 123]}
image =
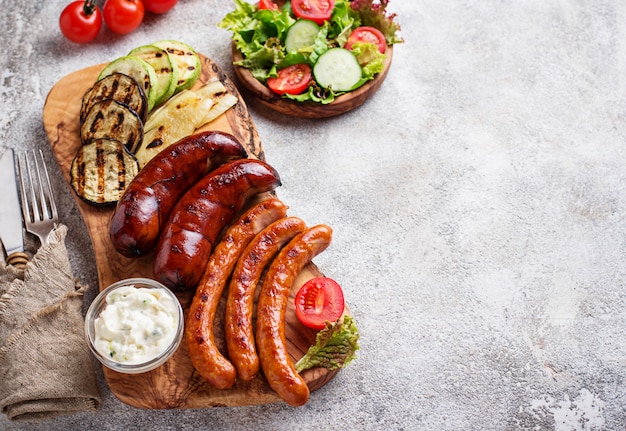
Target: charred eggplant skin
{"type": "Point", "coordinates": [114, 120]}
{"type": "Point", "coordinates": [100, 170]}
{"type": "Point", "coordinates": [117, 86]}
{"type": "Point", "coordinates": [147, 202]}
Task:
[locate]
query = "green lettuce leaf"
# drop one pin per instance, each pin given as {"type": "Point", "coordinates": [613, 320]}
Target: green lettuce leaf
{"type": "Point", "coordinates": [335, 346]}
{"type": "Point", "coordinates": [374, 14]}
{"type": "Point", "coordinates": [370, 58]}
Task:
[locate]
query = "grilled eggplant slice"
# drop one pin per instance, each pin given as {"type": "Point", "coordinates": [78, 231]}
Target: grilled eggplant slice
{"type": "Point", "coordinates": [101, 171]}
{"type": "Point", "coordinates": [140, 71]}
{"type": "Point", "coordinates": [112, 120]}
{"type": "Point", "coordinates": [117, 86]}
{"type": "Point", "coordinates": [164, 66]}
{"type": "Point", "coordinates": [187, 61]}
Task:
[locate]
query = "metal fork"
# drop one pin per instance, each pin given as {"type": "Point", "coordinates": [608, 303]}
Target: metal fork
{"type": "Point", "coordinates": [38, 207]}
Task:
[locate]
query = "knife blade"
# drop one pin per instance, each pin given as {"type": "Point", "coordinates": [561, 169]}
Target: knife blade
{"type": "Point", "coordinates": [10, 209]}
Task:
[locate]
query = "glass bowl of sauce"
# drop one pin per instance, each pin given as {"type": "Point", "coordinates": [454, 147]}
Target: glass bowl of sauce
{"type": "Point", "coordinates": [135, 325]}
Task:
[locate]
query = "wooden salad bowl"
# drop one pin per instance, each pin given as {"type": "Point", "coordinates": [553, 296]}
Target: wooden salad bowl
{"type": "Point", "coordinates": [340, 105]}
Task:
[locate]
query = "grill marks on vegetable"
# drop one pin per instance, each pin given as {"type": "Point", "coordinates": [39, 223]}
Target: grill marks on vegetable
{"type": "Point", "coordinates": [190, 68]}
{"type": "Point", "coordinates": [101, 170]}
{"type": "Point", "coordinates": [115, 120]}
{"type": "Point", "coordinates": [117, 86]}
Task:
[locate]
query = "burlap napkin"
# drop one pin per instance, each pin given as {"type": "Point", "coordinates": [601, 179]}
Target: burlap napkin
{"type": "Point", "coordinates": [46, 368]}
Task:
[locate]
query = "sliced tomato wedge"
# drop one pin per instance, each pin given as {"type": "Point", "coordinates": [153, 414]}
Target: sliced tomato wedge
{"type": "Point", "coordinates": [319, 300]}
{"type": "Point", "coordinates": [267, 4]}
{"type": "Point", "coordinates": [315, 10]}
{"type": "Point", "coordinates": [369, 35]}
{"type": "Point", "coordinates": [293, 79]}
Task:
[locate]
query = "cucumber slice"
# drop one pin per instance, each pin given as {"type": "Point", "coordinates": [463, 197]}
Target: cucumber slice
{"type": "Point", "coordinates": [164, 66]}
{"type": "Point", "coordinates": [187, 61]}
{"type": "Point", "coordinates": [300, 35]}
{"type": "Point", "coordinates": [116, 86]}
{"type": "Point", "coordinates": [338, 69]}
{"type": "Point", "coordinates": [101, 171]}
{"type": "Point", "coordinates": [140, 71]}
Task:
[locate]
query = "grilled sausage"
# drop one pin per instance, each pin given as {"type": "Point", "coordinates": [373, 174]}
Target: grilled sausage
{"type": "Point", "coordinates": [240, 302]}
{"type": "Point", "coordinates": [200, 215]}
{"type": "Point", "coordinates": [146, 204]}
{"type": "Point", "coordinates": [204, 353]}
{"type": "Point", "coordinates": [276, 363]}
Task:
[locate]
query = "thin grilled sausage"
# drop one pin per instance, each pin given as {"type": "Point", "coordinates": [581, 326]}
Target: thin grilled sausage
{"type": "Point", "coordinates": [199, 336]}
{"type": "Point", "coordinates": [276, 363]}
{"type": "Point", "coordinates": [200, 215]}
{"type": "Point", "coordinates": [240, 302]}
{"type": "Point", "coordinates": [147, 202]}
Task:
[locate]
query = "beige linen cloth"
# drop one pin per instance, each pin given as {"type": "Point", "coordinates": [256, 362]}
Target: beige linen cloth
{"type": "Point", "coordinates": [46, 369]}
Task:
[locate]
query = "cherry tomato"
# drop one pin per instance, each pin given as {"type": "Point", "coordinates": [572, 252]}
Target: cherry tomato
{"type": "Point", "coordinates": [293, 79]}
{"type": "Point", "coordinates": [159, 6]}
{"type": "Point", "coordinates": [123, 16]}
{"type": "Point", "coordinates": [367, 34]}
{"type": "Point", "coordinates": [267, 4]}
{"type": "Point", "coordinates": [319, 300]}
{"type": "Point", "coordinates": [81, 21]}
{"type": "Point", "coordinates": [315, 10]}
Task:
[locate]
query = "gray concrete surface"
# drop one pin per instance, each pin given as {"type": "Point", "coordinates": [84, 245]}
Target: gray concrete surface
{"type": "Point", "coordinates": [477, 202]}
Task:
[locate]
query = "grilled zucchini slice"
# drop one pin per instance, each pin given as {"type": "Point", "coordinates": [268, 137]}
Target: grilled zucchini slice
{"type": "Point", "coordinates": [187, 61]}
{"type": "Point", "coordinates": [164, 66]}
{"type": "Point", "coordinates": [177, 118]}
{"type": "Point", "coordinates": [101, 171]}
{"type": "Point", "coordinates": [120, 87]}
{"type": "Point", "coordinates": [112, 120]}
{"type": "Point", "coordinates": [140, 71]}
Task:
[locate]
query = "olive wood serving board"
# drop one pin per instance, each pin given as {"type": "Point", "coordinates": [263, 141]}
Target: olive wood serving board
{"type": "Point", "coordinates": [175, 384]}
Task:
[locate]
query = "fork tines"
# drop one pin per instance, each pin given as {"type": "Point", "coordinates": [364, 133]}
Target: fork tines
{"type": "Point", "coordinates": [38, 207]}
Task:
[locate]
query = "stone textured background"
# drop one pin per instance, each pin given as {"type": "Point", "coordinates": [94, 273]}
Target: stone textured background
{"type": "Point", "coordinates": [477, 203]}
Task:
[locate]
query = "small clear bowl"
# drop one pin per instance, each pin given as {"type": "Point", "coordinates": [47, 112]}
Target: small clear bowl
{"type": "Point", "coordinates": [100, 303]}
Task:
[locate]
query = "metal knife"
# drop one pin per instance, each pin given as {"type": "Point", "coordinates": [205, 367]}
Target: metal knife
{"type": "Point", "coordinates": [10, 212]}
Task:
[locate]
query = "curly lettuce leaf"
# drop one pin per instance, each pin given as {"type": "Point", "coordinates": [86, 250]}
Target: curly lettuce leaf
{"type": "Point", "coordinates": [258, 33]}
{"type": "Point", "coordinates": [343, 20]}
{"type": "Point", "coordinates": [374, 14]}
{"type": "Point", "coordinates": [335, 346]}
{"type": "Point", "coordinates": [370, 58]}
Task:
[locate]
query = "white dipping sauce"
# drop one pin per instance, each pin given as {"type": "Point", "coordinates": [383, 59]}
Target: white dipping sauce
{"type": "Point", "coordinates": [136, 325]}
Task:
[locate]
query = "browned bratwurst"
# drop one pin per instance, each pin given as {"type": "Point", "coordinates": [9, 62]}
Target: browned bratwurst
{"type": "Point", "coordinates": [240, 302]}
{"type": "Point", "coordinates": [276, 363]}
{"type": "Point", "coordinates": [147, 202]}
{"type": "Point", "coordinates": [204, 353]}
{"type": "Point", "coordinates": [199, 216]}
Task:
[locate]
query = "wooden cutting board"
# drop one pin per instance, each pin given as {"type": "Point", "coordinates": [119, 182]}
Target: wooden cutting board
{"type": "Point", "coordinates": [175, 384]}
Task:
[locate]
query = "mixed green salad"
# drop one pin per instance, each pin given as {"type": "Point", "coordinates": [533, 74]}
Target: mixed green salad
{"type": "Point", "coordinates": [312, 50]}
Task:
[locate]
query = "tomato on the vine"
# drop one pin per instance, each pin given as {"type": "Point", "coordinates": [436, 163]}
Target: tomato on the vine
{"type": "Point", "coordinates": [159, 6]}
{"type": "Point", "coordinates": [267, 4]}
{"type": "Point", "coordinates": [315, 10]}
{"type": "Point", "coordinates": [369, 35]}
{"type": "Point", "coordinates": [292, 79]}
{"type": "Point", "coordinates": [319, 300]}
{"type": "Point", "coordinates": [123, 16]}
{"type": "Point", "coordinates": [81, 21]}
